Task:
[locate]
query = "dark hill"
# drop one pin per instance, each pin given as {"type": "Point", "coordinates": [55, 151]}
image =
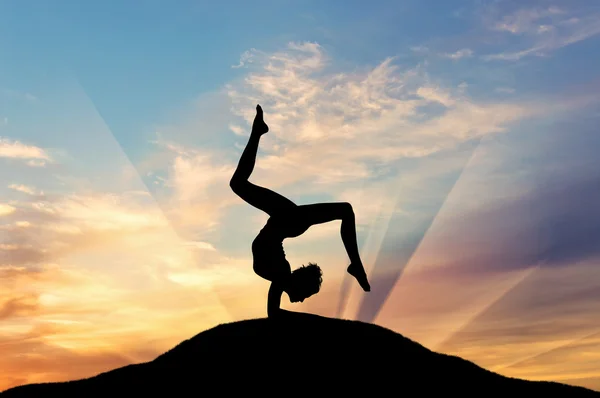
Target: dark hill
{"type": "Point", "coordinates": [298, 354]}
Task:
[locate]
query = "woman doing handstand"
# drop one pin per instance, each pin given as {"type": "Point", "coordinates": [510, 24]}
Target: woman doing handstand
{"type": "Point", "coordinates": [288, 220]}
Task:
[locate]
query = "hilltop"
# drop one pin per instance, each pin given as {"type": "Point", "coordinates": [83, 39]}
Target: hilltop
{"type": "Point", "coordinates": [298, 354]}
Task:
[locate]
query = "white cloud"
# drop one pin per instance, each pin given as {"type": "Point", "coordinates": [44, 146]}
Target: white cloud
{"type": "Point", "coordinates": [463, 53]}
{"type": "Point", "coordinates": [91, 214]}
{"type": "Point", "coordinates": [101, 228]}
{"type": "Point", "coordinates": [108, 212]}
{"type": "Point", "coordinates": [36, 163]}
{"type": "Point", "coordinates": [543, 30]}
{"type": "Point", "coordinates": [515, 56]}
{"type": "Point", "coordinates": [17, 150]}
{"type": "Point", "coordinates": [195, 187]}
{"type": "Point", "coordinates": [527, 20]}
{"type": "Point", "coordinates": [420, 49]}
{"type": "Point", "coordinates": [339, 127]}
{"type": "Point", "coordinates": [245, 58]}
{"type": "Point", "coordinates": [6, 209]}
{"type": "Point", "coordinates": [192, 175]}
{"type": "Point", "coordinates": [201, 245]}
{"type": "Point", "coordinates": [435, 94]}
{"type": "Point", "coordinates": [237, 130]}
{"type": "Point", "coordinates": [23, 188]}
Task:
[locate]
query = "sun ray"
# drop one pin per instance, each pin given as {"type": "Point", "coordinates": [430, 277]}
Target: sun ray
{"type": "Point", "coordinates": [139, 182]}
{"type": "Point", "coordinates": [479, 307]}
{"type": "Point", "coordinates": [558, 346]}
{"type": "Point", "coordinates": [369, 308]}
{"type": "Point", "coordinates": [371, 249]}
{"type": "Point", "coordinates": [453, 323]}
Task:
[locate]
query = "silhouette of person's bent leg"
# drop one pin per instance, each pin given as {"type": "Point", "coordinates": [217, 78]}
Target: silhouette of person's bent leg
{"type": "Point", "coordinates": [319, 213]}
{"type": "Point", "coordinates": [262, 198]}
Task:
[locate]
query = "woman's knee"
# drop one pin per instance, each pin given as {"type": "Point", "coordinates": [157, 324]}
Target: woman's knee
{"type": "Point", "coordinates": [237, 184]}
{"type": "Point", "coordinates": [234, 182]}
{"type": "Point", "coordinates": [346, 209]}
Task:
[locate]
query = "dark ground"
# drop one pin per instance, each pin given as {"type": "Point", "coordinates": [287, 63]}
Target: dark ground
{"type": "Point", "coordinates": [300, 354]}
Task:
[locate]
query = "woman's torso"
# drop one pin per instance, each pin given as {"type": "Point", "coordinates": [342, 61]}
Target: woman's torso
{"type": "Point", "coordinates": [268, 254]}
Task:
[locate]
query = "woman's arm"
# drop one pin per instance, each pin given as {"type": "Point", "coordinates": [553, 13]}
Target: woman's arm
{"type": "Point", "coordinates": [274, 300]}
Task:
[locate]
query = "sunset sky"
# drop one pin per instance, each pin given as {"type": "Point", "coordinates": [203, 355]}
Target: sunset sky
{"type": "Point", "coordinates": [464, 133]}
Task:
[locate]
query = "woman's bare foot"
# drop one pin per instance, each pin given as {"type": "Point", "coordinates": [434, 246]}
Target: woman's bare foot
{"type": "Point", "coordinates": [358, 272]}
{"type": "Point", "coordinates": [259, 126]}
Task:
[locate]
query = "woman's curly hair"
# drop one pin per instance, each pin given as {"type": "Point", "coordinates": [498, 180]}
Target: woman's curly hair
{"type": "Point", "coordinates": [309, 277]}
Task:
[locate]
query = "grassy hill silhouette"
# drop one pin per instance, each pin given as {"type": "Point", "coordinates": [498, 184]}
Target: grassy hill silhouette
{"type": "Point", "coordinates": [299, 354]}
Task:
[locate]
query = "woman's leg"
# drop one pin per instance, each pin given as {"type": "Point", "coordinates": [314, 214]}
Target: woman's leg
{"type": "Point", "coordinates": [308, 215]}
{"type": "Point", "coordinates": [262, 198]}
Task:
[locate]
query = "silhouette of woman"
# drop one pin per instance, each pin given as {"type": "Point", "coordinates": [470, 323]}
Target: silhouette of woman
{"type": "Point", "coordinates": [288, 220]}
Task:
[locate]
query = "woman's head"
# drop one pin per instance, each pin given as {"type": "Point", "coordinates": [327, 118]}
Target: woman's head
{"type": "Point", "coordinates": [304, 282]}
